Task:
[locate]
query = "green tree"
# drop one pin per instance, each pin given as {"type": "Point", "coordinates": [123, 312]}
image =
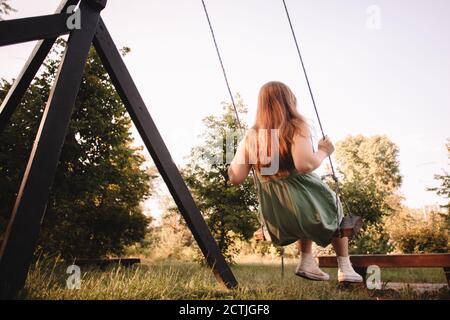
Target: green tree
{"type": "Point", "coordinates": [444, 178]}
{"type": "Point", "coordinates": [229, 210]}
{"type": "Point", "coordinates": [444, 189]}
{"type": "Point", "coordinates": [412, 233]}
{"type": "Point", "coordinates": [5, 8]}
{"type": "Point", "coordinates": [94, 208]}
{"type": "Point", "coordinates": [370, 179]}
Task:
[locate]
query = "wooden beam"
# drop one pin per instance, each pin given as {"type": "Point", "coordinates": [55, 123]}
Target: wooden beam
{"type": "Point", "coordinates": [147, 129]}
{"type": "Point", "coordinates": [126, 262]}
{"type": "Point", "coordinates": [23, 81]}
{"type": "Point", "coordinates": [447, 275]}
{"type": "Point", "coordinates": [34, 28]}
{"type": "Point", "coordinates": [427, 260]}
{"type": "Point", "coordinates": [22, 233]}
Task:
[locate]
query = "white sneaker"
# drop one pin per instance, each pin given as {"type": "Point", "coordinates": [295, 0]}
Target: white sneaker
{"type": "Point", "coordinates": [308, 268]}
{"type": "Point", "coordinates": [346, 273]}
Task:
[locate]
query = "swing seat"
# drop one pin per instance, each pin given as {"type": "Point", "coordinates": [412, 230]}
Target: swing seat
{"type": "Point", "coordinates": [350, 226]}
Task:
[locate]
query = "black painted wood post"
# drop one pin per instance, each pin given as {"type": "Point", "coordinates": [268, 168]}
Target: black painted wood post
{"type": "Point", "coordinates": [23, 230]}
{"type": "Point", "coordinates": [20, 240]}
{"type": "Point", "coordinates": [138, 111]}
{"type": "Point", "coordinates": [23, 81]}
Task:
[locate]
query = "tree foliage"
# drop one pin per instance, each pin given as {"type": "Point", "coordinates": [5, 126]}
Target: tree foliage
{"type": "Point", "coordinates": [444, 178]}
{"type": "Point", "coordinates": [371, 177]}
{"type": "Point", "coordinates": [412, 233]}
{"type": "Point", "coordinates": [5, 8]}
{"type": "Point", "coordinates": [444, 189]}
{"type": "Point", "coordinates": [230, 211]}
{"type": "Point", "coordinates": [94, 208]}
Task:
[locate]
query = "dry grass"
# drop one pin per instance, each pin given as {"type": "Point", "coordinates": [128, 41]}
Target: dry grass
{"type": "Point", "coordinates": [181, 280]}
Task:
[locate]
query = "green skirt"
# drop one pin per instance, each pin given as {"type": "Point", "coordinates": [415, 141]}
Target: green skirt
{"type": "Point", "coordinates": [299, 206]}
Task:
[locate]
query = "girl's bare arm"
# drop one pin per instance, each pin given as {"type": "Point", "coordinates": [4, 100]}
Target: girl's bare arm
{"type": "Point", "coordinates": [239, 169]}
{"type": "Point", "coordinates": [305, 160]}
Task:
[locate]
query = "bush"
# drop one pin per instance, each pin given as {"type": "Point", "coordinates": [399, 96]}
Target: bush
{"type": "Point", "coordinates": [172, 240]}
{"type": "Point", "coordinates": [412, 234]}
{"type": "Point", "coordinates": [373, 239]}
{"type": "Point", "coordinates": [266, 249]}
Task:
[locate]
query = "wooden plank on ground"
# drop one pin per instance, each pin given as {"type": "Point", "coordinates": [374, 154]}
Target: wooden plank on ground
{"type": "Point", "coordinates": [107, 262]}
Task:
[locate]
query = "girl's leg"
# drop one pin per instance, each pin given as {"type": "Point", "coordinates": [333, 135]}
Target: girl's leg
{"type": "Point", "coordinates": [345, 269]}
{"type": "Point", "coordinates": [340, 246]}
{"type": "Point", "coordinates": [305, 246]}
{"type": "Point", "coordinates": [307, 266]}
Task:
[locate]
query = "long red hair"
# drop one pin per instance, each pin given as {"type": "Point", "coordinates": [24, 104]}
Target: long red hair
{"type": "Point", "coordinates": [277, 109]}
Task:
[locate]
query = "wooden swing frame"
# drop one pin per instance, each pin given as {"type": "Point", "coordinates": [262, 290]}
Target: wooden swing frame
{"type": "Point", "coordinates": [18, 246]}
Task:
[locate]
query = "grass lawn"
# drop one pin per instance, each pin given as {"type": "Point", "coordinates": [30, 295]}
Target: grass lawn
{"type": "Point", "coordinates": [181, 280]}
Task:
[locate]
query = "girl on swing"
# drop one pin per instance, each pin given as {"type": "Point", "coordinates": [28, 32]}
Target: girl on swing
{"type": "Point", "coordinates": [295, 204]}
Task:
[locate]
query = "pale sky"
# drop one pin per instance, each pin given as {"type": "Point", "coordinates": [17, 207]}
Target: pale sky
{"type": "Point", "coordinates": [392, 80]}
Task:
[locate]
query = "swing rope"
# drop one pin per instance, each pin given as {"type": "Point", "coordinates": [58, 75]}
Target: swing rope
{"type": "Point", "coordinates": [312, 98]}
{"type": "Point", "coordinates": [333, 175]}
{"type": "Point", "coordinates": [223, 68]}
{"type": "Point", "coordinates": [241, 128]}
{"type": "Point", "coordinates": [308, 83]}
